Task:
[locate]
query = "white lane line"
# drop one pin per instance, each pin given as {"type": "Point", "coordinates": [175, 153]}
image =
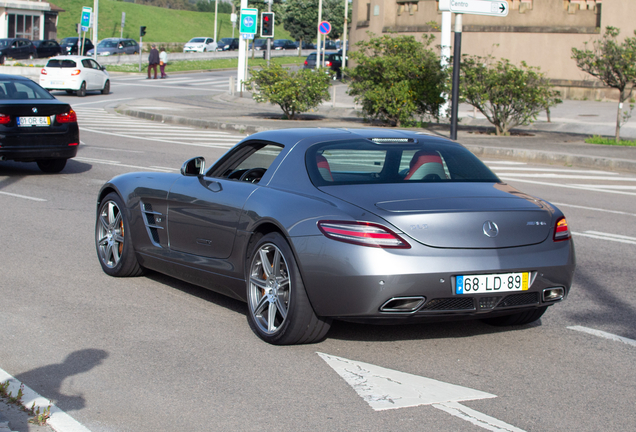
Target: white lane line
{"type": "Point", "coordinates": [193, 138]}
{"type": "Point", "coordinates": [168, 86]}
{"type": "Point", "coordinates": [385, 389]}
{"type": "Point", "coordinates": [605, 186]}
{"type": "Point", "coordinates": [593, 208]}
{"type": "Point", "coordinates": [59, 420]}
{"type": "Point", "coordinates": [215, 145]}
{"type": "Point", "coordinates": [23, 196]}
{"type": "Point", "coordinates": [552, 170]}
{"type": "Point", "coordinates": [497, 162]}
{"type": "Point", "coordinates": [565, 176]}
{"type": "Point", "coordinates": [119, 164]}
{"type": "Point", "coordinates": [114, 149]}
{"type": "Point", "coordinates": [567, 186]}
{"type": "Point", "coordinates": [476, 418]}
{"type": "Point", "coordinates": [606, 236]}
{"type": "Point", "coordinates": [604, 335]}
{"type": "Point", "coordinates": [100, 101]}
{"type": "Point", "coordinates": [165, 168]}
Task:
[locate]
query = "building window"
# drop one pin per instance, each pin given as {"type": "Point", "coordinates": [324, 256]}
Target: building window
{"type": "Point", "coordinates": [24, 26]}
{"type": "Point", "coordinates": [368, 11]}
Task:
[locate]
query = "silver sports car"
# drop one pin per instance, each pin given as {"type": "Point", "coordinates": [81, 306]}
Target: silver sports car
{"type": "Point", "coordinates": [369, 225]}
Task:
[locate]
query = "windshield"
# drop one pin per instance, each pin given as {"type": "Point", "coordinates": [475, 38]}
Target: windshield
{"type": "Point", "coordinates": [107, 44]}
{"type": "Point", "coordinates": [21, 90]}
{"type": "Point", "coordinates": [197, 40]}
{"type": "Point", "coordinates": [61, 63]}
{"type": "Point", "coordinates": [363, 161]}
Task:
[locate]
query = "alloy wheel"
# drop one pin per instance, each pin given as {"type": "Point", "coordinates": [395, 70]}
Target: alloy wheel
{"type": "Point", "coordinates": [110, 234]}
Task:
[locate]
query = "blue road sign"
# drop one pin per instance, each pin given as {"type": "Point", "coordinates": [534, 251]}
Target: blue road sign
{"type": "Point", "coordinates": [324, 27]}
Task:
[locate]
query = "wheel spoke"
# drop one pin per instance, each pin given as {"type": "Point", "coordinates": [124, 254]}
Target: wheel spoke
{"type": "Point", "coordinates": [267, 267]}
{"type": "Point", "coordinates": [115, 251]}
{"type": "Point", "coordinates": [260, 306]}
{"type": "Point", "coordinates": [271, 317]}
{"type": "Point", "coordinates": [258, 282]}
{"type": "Point", "coordinates": [276, 263]}
{"type": "Point", "coordinates": [281, 307]}
{"type": "Point", "coordinates": [119, 238]}
{"type": "Point", "coordinates": [111, 213]}
{"type": "Point", "coordinates": [102, 241]}
{"type": "Point", "coordinates": [103, 222]}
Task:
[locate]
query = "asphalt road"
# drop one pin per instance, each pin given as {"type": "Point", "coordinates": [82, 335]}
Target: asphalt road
{"type": "Point", "coordinates": [153, 353]}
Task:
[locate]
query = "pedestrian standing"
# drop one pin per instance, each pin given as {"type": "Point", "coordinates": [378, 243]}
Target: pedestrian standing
{"type": "Point", "coordinates": [163, 60]}
{"type": "Point", "coordinates": [153, 60]}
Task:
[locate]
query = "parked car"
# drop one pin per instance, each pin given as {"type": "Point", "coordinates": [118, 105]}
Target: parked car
{"type": "Point", "coordinates": [307, 45]}
{"type": "Point", "coordinates": [228, 44]}
{"type": "Point", "coordinates": [47, 48]}
{"type": "Point", "coordinates": [34, 126]}
{"type": "Point", "coordinates": [259, 44]}
{"type": "Point", "coordinates": [333, 61]}
{"type": "Point", "coordinates": [284, 44]}
{"type": "Point", "coordinates": [17, 48]}
{"type": "Point", "coordinates": [200, 44]}
{"type": "Point", "coordinates": [308, 225]}
{"type": "Point", "coordinates": [330, 45]}
{"type": "Point", "coordinates": [70, 45]}
{"type": "Point", "coordinates": [115, 46]}
{"type": "Point", "coordinates": [77, 74]}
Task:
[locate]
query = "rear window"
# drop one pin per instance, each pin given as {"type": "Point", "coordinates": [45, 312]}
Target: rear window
{"type": "Point", "coordinates": [21, 90]}
{"type": "Point", "coordinates": [363, 161]}
{"type": "Point", "coordinates": [61, 63]}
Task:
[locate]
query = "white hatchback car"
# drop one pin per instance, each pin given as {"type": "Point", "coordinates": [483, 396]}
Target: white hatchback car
{"type": "Point", "coordinates": [74, 74]}
{"type": "Point", "coordinates": [200, 44]}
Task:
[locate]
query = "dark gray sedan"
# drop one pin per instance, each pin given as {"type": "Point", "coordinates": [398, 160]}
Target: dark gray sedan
{"type": "Point", "coordinates": [372, 225]}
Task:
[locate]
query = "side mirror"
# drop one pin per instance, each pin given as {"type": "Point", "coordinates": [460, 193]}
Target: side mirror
{"type": "Point", "coordinates": [193, 167]}
{"type": "Point", "coordinates": [103, 67]}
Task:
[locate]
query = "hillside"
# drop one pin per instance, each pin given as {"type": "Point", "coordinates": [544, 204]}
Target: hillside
{"type": "Point", "coordinates": [162, 25]}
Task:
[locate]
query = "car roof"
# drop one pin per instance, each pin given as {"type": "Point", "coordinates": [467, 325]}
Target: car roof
{"type": "Point", "coordinates": [13, 77]}
{"type": "Point", "coordinates": [70, 57]}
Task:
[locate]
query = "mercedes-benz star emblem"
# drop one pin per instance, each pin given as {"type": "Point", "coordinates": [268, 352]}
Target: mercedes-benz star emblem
{"type": "Point", "coordinates": [491, 229]}
{"type": "Point", "coordinates": [34, 109]}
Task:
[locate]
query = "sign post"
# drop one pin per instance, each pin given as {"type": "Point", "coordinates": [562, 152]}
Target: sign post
{"type": "Point", "coordinates": [247, 28]}
{"type": "Point", "coordinates": [459, 7]}
{"type": "Point", "coordinates": [324, 28]}
{"type": "Point", "coordinates": [85, 24]}
{"type": "Point", "coordinates": [123, 22]}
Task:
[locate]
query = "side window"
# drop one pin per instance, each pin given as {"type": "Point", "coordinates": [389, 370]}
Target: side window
{"type": "Point", "coordinates": [247, 163]}
{"type": "Point", "coordinates": [86, 63]}
{"type": "Point", "coordinates": [94, 65]}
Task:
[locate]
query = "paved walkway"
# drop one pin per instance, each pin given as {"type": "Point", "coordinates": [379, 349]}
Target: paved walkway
{"type": "Point", "coordinates": [560, 141]}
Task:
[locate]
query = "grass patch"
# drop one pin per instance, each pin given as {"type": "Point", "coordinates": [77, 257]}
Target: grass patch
{"type": "Point", "coordinates": [192, 65]}
{"type": "Point", "coordinates": [163, 25]}
{"type": "Point", "coordinates": [597, 139]}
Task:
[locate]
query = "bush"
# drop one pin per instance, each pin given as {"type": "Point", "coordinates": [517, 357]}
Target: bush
{"type": "Point", "coordinates": [294, 92]}
{"type": "Point", "coordinates": [506, 94]}
{"type": "Point", "coordinates": [396, 78]}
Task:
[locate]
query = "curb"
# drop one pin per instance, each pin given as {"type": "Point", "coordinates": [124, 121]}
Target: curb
{"type": "Point", "coordinates": [522, 155]}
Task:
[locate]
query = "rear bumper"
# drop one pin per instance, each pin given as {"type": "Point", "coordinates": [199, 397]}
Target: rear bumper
{"type": "Point", "coordinates": [29, 147]}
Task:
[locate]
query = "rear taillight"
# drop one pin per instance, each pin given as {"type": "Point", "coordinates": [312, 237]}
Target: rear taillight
{"type": "Point", "coordinates": [43, 71]}
{"type": "Point", "coordinates": [328, 64]}
{"type": "Point", "coordinates": [76, 72]}
{"type": "Point", "coordinates": [67, 117]}
{"type": "Point", "coordinates": [362, 233]}
{"type": "Point", "coordinates": [306, 63]}
{"type": "Point", "coordinates": [561, 230]}
{"type": "Point", "coordinates": [5, 119]}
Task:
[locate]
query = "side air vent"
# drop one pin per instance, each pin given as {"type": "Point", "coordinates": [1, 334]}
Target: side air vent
{"type": "Point", "coordinates": [150, 220]}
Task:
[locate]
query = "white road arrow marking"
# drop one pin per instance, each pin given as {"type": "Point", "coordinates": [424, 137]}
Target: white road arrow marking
{"type": "Point", "coordinates": [384, 389]}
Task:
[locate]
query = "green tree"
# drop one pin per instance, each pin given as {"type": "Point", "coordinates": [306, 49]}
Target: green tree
{"type": "Point", "coordinates": [614, 64]}
{"type": "Point", "coordinates": [506, 94]}
{"type": "Point", "coordinates": [301, 19]}
{"type": "Point", "coordinates": [333, 11]}
{"type": "Point", "coordinates": [396, 78]}
{"type": "Point", "coordinates": [294, 92]}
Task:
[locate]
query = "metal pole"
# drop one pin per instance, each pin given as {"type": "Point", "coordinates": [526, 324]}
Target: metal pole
{"type": "Point", "coordinates": [216, 13]}
{"type": "Point", "coordinates": [269, 40]}
{"type": "Point", "coordinates": [445, 53]}
{"type": "Point", "coordinates": [344, 37]}
{"type": "Point", "coordinates": [242, 60]}
{"type": "Point", "coordinates": [141, 50]}
{"type": "Point", "coordinates": [318, 33]}
{"type": "Point", "coordinates": [457, 54]}
{"type": "Point", "coordinates": [95, 25]}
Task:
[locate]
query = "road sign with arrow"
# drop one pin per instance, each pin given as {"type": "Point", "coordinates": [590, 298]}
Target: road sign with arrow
{"type": "Point", "coordinates": [475, 7]}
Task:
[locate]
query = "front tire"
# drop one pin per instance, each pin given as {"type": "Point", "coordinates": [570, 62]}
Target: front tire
{"type": "Point", "coordinates": [82, 91]}
{"type": "Point", "coordinates": [113, 239]}
{"type": "Point", "coordinates": [51, 166]}
{"type": "Point", "coordinates": [279, 311]}
{"type": "Point", "coordinates": [520, 318]}
{"type": "Point", "coordinates": [106, 89]}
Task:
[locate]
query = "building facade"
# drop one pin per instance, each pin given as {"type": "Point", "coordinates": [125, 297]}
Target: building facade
{"type": "Point", "coordinates": [540, 32]}
{"type": "Point", "coordinates": [28, 19]}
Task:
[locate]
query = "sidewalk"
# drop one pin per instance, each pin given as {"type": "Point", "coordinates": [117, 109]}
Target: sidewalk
{"type": "Point", "coordinates": [559, 142]}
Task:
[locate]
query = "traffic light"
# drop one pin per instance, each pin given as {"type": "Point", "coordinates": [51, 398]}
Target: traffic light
{"type": "Point", "coordinates": [142, 31]}
{"type": "Point", "coordinates": [267, 24]}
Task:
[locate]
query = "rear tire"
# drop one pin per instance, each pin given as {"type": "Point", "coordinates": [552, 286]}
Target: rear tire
{"type": "Point", "coordinates": [520, 318]}
{"type": "Point", "coordinates": [113, 239]}
{"type": "Point", "coordinates": [82, 91]}
{"type": "Point", "coordinates": [106, 89]}
{"type": "Point", "coordinates": [279, 311]}
{"type": "Point", "coordinates": [51, 166]}
{"type": "Point", "coordinates": [69, 91]}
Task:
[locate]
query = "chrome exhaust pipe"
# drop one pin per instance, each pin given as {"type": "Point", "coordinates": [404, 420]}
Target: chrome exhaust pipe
{"type": "Point", "coordinates": [403, 304]}
{"type": "Point", "coordinates": [553, 294]}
